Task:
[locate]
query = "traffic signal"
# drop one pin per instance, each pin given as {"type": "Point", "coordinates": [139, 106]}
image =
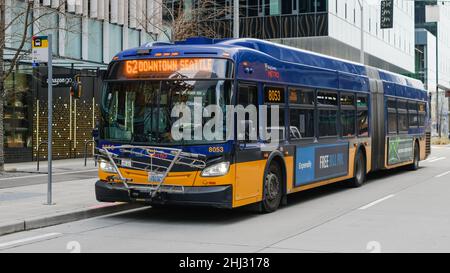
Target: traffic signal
{"type": "Point", "coordinates": [75, 89]}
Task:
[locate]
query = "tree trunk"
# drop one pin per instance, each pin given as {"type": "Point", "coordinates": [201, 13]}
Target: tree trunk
{"type": "Point", "coordinates": [2, 81]}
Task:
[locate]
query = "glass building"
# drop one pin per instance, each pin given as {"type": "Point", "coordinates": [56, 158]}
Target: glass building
{"type": "Point", "coordinates": [330, 27]}
{"type": "Point", "coordinates": [87, 34]}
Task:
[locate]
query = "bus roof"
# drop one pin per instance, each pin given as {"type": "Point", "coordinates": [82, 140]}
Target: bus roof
{"type": "Point", "coordinates": [200, 46]}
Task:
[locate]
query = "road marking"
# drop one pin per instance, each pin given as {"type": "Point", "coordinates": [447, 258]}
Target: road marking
{"type": "Point", "coordinates": [27, 240]}
{"type": "Point", "coordinates": [376, 202]}
{"type": "Point", "coordinates": [440, 147]}
{"type": "Point", "coordinates": [437, 159]}
{"type": "Point", "coordinates": [430, 158]}
{"type": "Point", "coordinates": [44, 175]}
{"type": "Point", "coordinates": [442, 174]}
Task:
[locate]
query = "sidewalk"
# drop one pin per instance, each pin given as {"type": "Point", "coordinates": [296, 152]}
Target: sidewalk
{"type": "Point", "coordinates": [65, 165]}
{"type": "Point", "coordinates": [22, 208]}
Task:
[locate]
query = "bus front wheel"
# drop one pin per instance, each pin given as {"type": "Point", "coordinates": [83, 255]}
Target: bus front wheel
{"type": "Point", "coordinates": [359, 171]}
{"type": "Point", "coordinates": [272, 190]}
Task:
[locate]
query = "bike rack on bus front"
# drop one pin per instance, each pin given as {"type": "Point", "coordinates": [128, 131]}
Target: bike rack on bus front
{"type": "Point", "coordinates": [126, 157]}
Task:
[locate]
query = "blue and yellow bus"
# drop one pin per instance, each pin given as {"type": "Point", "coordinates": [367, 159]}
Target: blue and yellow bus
{"type": "Point", "coordinates": [338, 121]}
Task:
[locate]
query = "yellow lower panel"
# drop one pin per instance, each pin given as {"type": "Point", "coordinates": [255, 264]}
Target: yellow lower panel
{"type": "Point", "coordinates": [423, 150]}
{"type": "Point", "coordinates": [141, 177]}
{"type": "Point", "coordinates": [249, 180]}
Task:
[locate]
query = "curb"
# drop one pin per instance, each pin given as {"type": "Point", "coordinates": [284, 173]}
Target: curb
{"type": "Point", "coordinates": [62, 218]}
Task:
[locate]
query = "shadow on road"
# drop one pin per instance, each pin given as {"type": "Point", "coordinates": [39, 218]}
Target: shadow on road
{"type": "Point", "coordinates": [213, 216]}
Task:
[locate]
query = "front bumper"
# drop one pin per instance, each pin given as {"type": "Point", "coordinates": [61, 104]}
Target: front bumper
{"type": "Point", "coordinates": [216, 196]}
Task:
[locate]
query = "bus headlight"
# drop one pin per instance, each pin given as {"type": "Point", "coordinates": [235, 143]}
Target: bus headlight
{"type": "Point", "coordinates": [219, 169]}
{"type": "Point", "coordinates": [107, 167]}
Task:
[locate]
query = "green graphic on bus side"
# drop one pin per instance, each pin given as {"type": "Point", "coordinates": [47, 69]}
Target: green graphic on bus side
{"type": "Point", "coordinates": [400, 150]}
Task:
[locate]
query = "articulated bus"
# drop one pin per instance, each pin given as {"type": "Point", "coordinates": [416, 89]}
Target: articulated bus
{"type": "Point", "coordinates": [338, 121]}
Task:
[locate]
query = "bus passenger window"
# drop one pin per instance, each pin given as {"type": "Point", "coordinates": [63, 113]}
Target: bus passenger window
{"type": "Point", "coordinates": [327, 103]}
{"type": "Point", "coordinates": [422, 114]}
{"type": "Point", "coordinates": [348, 115]}
{"type": "Point", "coordinates": [413, 115]}
{"type": "Point", "coordinates": [301, 96]}
{"type": "Point", "coordinates": [280, 124]}
{"type": "Point", "coordinates": [302, 121]}
{"type": "Point", "coordinates": [403, 122]}
{"type": "Point", "coordinates": [402, 110]}
{"type": "Point", "coordinates": [363, 115]}
{"type": "Point", "coordinates": [248, 96]}
{"type": "Point", "coordinates": [327, 123]}
{"type": "Point", "coordinates": [392, 116]}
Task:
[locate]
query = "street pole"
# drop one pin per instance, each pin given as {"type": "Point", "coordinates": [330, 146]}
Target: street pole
{"type": "Point", "coordinates": [361, 53]}
{"type": "Point", "coordinates": [236, 19]}
{"type": "Point", "coordinates": [50, 118]}
{"type": "Point", "coordinates": [438, 118]}
{"type": "Point", "coordinates": [2, 72]}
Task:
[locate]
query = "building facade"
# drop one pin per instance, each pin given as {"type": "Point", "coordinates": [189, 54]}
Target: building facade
{"type": "Point", "coordinates": [86, 35]}
{"type": "Point", "coordinates": [433, 38]}
{"type": "Point", "coordinates": [330, 27]}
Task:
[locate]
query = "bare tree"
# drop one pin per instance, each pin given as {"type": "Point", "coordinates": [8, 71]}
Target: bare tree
{"type": "Point", "coordinates": [181, 23]}
{"type": "Point", "coordinates": [25, 20]}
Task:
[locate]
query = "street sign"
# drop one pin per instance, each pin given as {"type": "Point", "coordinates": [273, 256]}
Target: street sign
{"type": "Point", "coordinates": [42, 53]}
{"type": "Point", "coordinates": [387, 14]}
{"type": "Point", "coordinates": [40, 50]}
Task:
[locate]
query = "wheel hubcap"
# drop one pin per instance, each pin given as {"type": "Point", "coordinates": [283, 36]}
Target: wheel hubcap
{"type": "Point", "coordinates": [272, 186]}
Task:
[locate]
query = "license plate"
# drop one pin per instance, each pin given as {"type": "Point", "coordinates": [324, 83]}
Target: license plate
{"type": "Point", "coordinates": [155, 177]}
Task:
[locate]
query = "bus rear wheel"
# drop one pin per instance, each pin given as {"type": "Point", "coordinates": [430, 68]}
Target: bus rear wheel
{"type": "Point", "coordinates": [416, 163]}
{"type": "Point", "coordinates": [272, 190]}
{"type": "Point", "coordinates": [359, 171]}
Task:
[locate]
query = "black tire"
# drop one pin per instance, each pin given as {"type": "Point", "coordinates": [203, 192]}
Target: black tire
{"type": "Point", "coordinates": [416, 164]}
{"type": "Point", "coordinates": [272, 189]}
{"type": "Point", "coordinates": [359, 176]}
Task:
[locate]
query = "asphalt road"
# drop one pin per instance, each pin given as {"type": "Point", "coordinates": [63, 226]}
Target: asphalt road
{"type": "Point", "coordinates": [396, 211]}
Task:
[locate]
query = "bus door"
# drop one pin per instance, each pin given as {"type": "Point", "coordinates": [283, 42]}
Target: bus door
{"type": "Point", "coordinates": [248, 155]}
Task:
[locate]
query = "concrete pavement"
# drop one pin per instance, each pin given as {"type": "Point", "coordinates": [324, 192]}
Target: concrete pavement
{"type": "Point", "coordinates": [396, 211]}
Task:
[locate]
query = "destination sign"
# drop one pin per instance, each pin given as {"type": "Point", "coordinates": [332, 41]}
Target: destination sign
{"type": "Point", "coordinates": [167, 66]}
{"type": "Point", "coordinates": [176, 68]}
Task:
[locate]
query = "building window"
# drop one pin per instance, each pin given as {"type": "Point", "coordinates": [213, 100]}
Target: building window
{"type": "Point", "coordinates": [115, 40]}
{"type": "Point", "coordinates": [95, 51]}
{"type": "Point", "coordinates": [274, 7]}
{"type": "Point", "coordinates": [73, 40]}
{"type": "Point", "coordinates": [17, 109]}
{"type": "Point", "coordinates": [321, 5]}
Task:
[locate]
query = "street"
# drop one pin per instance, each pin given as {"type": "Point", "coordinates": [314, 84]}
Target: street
{"type": "Point", "coordinates": [396, 211]}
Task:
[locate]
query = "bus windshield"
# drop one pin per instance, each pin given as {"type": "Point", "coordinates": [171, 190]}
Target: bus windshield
{"type": "Point", "coordinates": [140, 111]}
